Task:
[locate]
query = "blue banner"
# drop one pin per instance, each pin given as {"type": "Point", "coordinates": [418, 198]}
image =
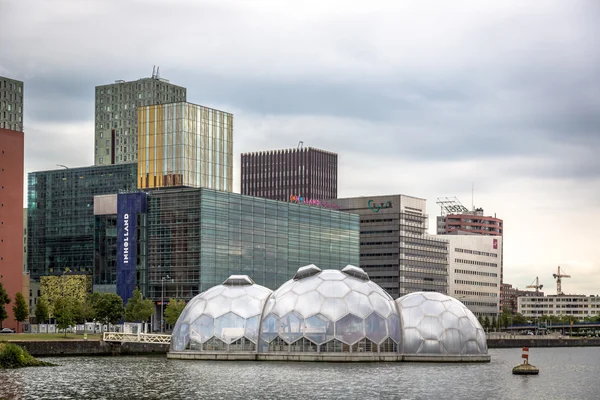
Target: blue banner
{"type": "Point", "coordinates": [128, 206]}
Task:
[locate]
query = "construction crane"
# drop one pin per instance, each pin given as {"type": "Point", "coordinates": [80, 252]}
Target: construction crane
{"type": "Point", "coordinates": [558, 276]}
{"type": "Point", "coordinates": [537, 285]}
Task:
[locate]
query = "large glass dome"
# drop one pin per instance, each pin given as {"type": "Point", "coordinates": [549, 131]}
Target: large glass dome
{"type": "Point", "coordinates": [436, 324]}
{"type": "Point", "coordinates": [223, 318]}
{"type": "Point", "coordinates": [330, 311]}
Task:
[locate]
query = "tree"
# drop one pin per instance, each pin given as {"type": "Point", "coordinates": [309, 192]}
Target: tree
{"type": "Point", "coordinates": [41, 310]}
{"type": "Point", "coordinates": [494, 323]}
{"type": "Point", "coordinates": [87, 310]}
{"type": "Point", "coordinates": [480, 319]}
{"type": "Point", "coordinates": [486, 322]}
{"type": "Point", "coordinates": [519, 319]}
{"type": "Point", "coordinates": [4, 299]}
{"type": "Point", "coordinates": [108, 308]}
{"type": "Point", "coordinates": [20, 309]}
{"type": "Point", "coordinates": [64, 312]}
{"type": "Point", "coordinates": [173, 311]}
{"type": "Point", "coordinates": [138, 309]}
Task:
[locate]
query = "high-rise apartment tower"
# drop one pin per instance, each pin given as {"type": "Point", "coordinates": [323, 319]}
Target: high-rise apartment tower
{"type": "Point", "coordinates": [289, 174]}
{"type": "Point", "coordinates": [116, 115]}
{"type": "Point", "coordinates": [11, 104]}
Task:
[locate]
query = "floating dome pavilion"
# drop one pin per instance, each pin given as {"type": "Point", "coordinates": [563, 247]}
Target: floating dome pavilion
{"type": "Point", "coordinates": [325, 315]}
{"type": "Point", "coordinates": [436, 324]}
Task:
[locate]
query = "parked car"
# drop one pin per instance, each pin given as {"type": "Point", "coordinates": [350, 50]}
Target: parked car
{"type": "Point", "coordinates": [6, 330]}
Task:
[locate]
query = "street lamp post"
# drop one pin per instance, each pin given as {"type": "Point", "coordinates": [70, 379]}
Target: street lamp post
{"type": "Point", "coordinates": [162, 302]}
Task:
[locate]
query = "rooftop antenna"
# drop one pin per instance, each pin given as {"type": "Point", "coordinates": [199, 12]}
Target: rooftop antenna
{"type": "Point", "coordinates": [158, 72]}
{"type": "Point", "coordinates": [153, 71]}
{"type": "Point", "coordinates": [300, 144]}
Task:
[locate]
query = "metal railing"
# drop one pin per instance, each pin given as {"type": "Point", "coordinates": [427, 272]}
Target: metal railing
{"type": "Point", "coordinates": [136, 337]}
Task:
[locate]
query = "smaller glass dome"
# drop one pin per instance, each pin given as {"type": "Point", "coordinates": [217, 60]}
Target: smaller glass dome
{"type": "Point", "coordinates": [436, 324]}
{"type": "Point", "coordinates": [223, 318]}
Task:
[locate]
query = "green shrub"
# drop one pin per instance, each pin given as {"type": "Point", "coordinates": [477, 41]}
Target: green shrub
{"type": "Point", "coordinates": [13, 356]}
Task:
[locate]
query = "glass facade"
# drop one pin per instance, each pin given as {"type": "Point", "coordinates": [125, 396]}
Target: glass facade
{"type": "Point", "coordinates": [183, 144]}
{"type": "Point", "coordinates": [60, 220]}
{"type": "Point", "coordinates": [199, 237]}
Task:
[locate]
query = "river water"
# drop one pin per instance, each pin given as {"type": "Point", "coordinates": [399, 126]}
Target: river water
{"type": "Point", "coordinates": [565, 373]}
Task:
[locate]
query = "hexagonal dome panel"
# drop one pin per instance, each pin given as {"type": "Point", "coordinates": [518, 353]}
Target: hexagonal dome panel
{"type": "Point", "coordinates": [433, 323]}
{"type": "Point", "coordinates": [350, 329]}
{"type": "Point", "coordinates": [309, 303]}
{"type": "Point", "coordinates": [333, 289]}
{"type": "Point", "coordinates": [229, 327]}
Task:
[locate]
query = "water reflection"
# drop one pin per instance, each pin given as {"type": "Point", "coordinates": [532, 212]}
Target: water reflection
{"type": "Point", "coordinates": [565, 373]}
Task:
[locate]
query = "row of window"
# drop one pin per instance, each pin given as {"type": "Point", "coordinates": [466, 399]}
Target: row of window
{"type": "Point", "coordinates": [472, 262]}
{"type": "Point", "coordinates": [479, 273]}
{"type": "Point", "coordinates": [10, 86]}
{"type": "Point", "coordinates": [479, 303]}
{"type": "Point", "coordinates": [475, 252]}
{"type": "Point", "coordinates": [475, 283]}
{"type": "Point", "coordinates": [470, 293]}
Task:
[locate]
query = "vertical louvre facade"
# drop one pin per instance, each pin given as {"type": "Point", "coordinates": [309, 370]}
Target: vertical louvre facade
{"type": "Point", "coordinates": [395, 249]}
{"type": "Point", "coordinates": [60, 220]}
{"type": "Point", "coordinates": [183, 144]}
{"type": "Point", "coordinates": [279, 174]}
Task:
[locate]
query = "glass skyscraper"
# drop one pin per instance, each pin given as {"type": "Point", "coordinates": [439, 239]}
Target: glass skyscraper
{"type": "Point", "coordinates": [184, 144]}
{"type": "Point", "coordinates": [60, 223]}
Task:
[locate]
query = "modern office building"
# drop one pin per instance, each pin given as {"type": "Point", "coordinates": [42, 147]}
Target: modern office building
{"type": "Point", "coordinates": [474, 264]}
{"type": "Point", "coordinates": [187, 240]}
{"type": "Point", "coordinates": [457, 219]}
{"type": "Point", "coordinates": [11, 217]}
{"type": "Point", "coordinates": [289, 174]}
{"type": "Point", "coordinates": [395, 249]}
{"type": "Point", "coordinates": [60, 222]}
{"type": "Point", "coordinates": [577, 306]}
{"type": "Point", "coordinates": [184, 144]}
{"type": "Point", "coordinates": [116, 129]}
{"type": "Point", "coordinates": [11, 104]}
{"type": "Point", "coordinates": [510, 294]}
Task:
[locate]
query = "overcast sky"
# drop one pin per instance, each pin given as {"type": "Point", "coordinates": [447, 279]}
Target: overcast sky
{"type": "Point", "coordinates": [419, 98]}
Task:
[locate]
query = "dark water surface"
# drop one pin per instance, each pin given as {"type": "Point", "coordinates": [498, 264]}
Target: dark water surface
{"type": "Point", "coordinates": [565, 373]}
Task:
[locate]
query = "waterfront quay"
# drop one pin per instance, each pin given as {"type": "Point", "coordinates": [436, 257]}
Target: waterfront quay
{"type": "Point", "coordinates": [74, 347]}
